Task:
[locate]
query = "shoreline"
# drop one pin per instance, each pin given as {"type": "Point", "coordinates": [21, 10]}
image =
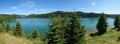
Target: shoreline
{"type": "Point", "coordinates": [94, 31]}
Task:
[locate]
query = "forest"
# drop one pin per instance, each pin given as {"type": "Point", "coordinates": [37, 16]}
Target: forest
{"type": "Point", "coordinates": [60, 13]}
{"type": "Point", "coordinates": [64, 13]}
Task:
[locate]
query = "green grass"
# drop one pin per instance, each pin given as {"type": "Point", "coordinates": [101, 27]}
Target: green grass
{"type": "Point", "coordinates": [6, 38]}
{"type": "Point", "coordinates": [110, 37]}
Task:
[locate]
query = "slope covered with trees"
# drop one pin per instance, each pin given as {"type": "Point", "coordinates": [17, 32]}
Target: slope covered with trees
{"type": "Point", "coordinates": [64, 13]}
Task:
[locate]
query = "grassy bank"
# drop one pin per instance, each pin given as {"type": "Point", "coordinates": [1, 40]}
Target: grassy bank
{"type": "Point", "coordinates": [6, 38]}
{"type": "Point", "coordinates": [110, 37]}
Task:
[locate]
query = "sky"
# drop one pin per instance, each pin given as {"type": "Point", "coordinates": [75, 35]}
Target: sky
{"type": "Point", "coordinates": [25, 7]}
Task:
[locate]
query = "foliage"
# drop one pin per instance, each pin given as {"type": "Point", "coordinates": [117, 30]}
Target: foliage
{"type": "Point", "coordinates": [8, 28]}
{"type": "Point", "coordinates": [18, 30]}
{"type": "Point", "coordinates": [65, 30]}
{"type": "Point", "coordinates": [64, 13]}
{"type": "Point", "coordinates": [55, 34]}
{"type": "Point", "coordinates": [117, 22]}
{"type": "Point", "coordinates": [7, 17]}
{"type": "Point", "coordinates": [75, 32]}
{"type": "Point", "coordinates": [2, 24]}
{"type": "Point", "coordinates": [102, 24]}
{"type": "Point", "coordinates": [35, 34]}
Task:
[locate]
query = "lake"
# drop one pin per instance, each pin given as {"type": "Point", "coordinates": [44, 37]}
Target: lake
{"type": "Point", "coordinates": [28, 24]}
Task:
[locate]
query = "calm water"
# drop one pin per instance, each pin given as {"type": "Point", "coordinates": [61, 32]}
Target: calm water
{"type": "Point", "coordinates": [41, 24]}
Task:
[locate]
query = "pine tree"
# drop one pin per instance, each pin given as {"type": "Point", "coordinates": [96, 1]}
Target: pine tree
{"type": "Point", "coordinates": [56, 32]}
{"type": "Point", "coordinates": [35, 34]}
{"type": "Point", "coordinates": [8, 28]}
{"type": "Point", "coordinates": [102, 24]}
{"type": "Point", "coordinates": [75, 32]}
{"type": "Point", "coordinates": [66, 27]}
{"type": "Point", "coordinates": [18, 30]}
{"type": "Point", "coordinates": [117, 22]}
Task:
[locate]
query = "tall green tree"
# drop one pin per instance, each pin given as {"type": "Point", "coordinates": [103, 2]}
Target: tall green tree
{"type": "Point", "coordinates": [102, 24]}
{"type": "Point", "coordinates": [18, 30]}
{"type": "Point", "coordinates": [8, 28]}
{"type": "Point", "coordinates": [117, 22]}
{"type": "Point", "coordinates": [75, 31]}
{"type": "Point", "coordinates": [66, 27]}
{"type": "Point", "coordinates": [56, 32]}
{"type": "Point", "coordinates": [35, 34]}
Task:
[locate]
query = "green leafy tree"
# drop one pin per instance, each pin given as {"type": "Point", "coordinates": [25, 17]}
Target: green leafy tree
{"type": "Point", "coordinates": [56, 32]}
{"type": "Point", "coordinates": [35, 34]}
{"type": "Point", "coordinates": [102, 24]}
{"type": "Point", "coordinates": [75, 32]}
{"type": "Point", "coordinates": [117, 22]}
{"type": "Point", "coordinates": [18, 30]}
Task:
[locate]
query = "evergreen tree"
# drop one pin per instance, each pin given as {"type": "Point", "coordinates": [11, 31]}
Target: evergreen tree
{"type": "Point", "coordinates": [66, 27]}
{"type": "Point", "coordinates": [8, 28]}
{"type": "Point", "coordinates": [56, 32]}
{"type": "Point", "coordinates": [102, 24]}
{"type": "Point", "coordinates": [35, 37]}
{"type": "Point", "coordinates": [18, 30]}
{"type": "Point", "coordinates": [75, 32]}
{"type": "Point", "coordinates": [35, 34]}
{"type": "Point", "coordinates": [117, 22]}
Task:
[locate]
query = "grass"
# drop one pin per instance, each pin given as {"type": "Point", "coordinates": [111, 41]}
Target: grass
{"type": "Point", "coordinates": [110, 37]}
{"type": "Point", "coordinates": [6, 38]}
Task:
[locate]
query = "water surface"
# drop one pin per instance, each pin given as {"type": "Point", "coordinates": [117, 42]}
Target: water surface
{"type": "Point", "coordinates": [28, 24]}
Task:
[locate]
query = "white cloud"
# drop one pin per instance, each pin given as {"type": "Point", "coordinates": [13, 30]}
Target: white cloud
{"type": "Point", "coordinates": [93, 4]}
{"type": "Point", "coordinates": [82, 8]}
{"type": "Point", "coordinates": [27, 4]}
{"type": "Point", "coordinates": [14, 7]}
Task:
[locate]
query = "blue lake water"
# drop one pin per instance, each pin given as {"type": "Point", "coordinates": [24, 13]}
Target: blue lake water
{"type": "Point", "coordinates": [28, 24]}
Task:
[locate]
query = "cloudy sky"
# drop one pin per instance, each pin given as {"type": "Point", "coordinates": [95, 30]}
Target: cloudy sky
{"type": "Point", "coordinates": [45, 6]}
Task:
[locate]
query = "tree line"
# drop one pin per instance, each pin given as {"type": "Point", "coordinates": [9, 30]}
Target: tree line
{"type": "Point", "coordinates": [64, 13]}
{"type": "Point", "coordinates": [62, 30]}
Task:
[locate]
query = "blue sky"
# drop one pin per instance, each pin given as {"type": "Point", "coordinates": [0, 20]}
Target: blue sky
{"type": "Point", "coordinates": [26, 7]}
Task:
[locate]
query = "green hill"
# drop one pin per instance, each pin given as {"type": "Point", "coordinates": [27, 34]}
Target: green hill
{"type": "Point", "coordinates": [63, 13]}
